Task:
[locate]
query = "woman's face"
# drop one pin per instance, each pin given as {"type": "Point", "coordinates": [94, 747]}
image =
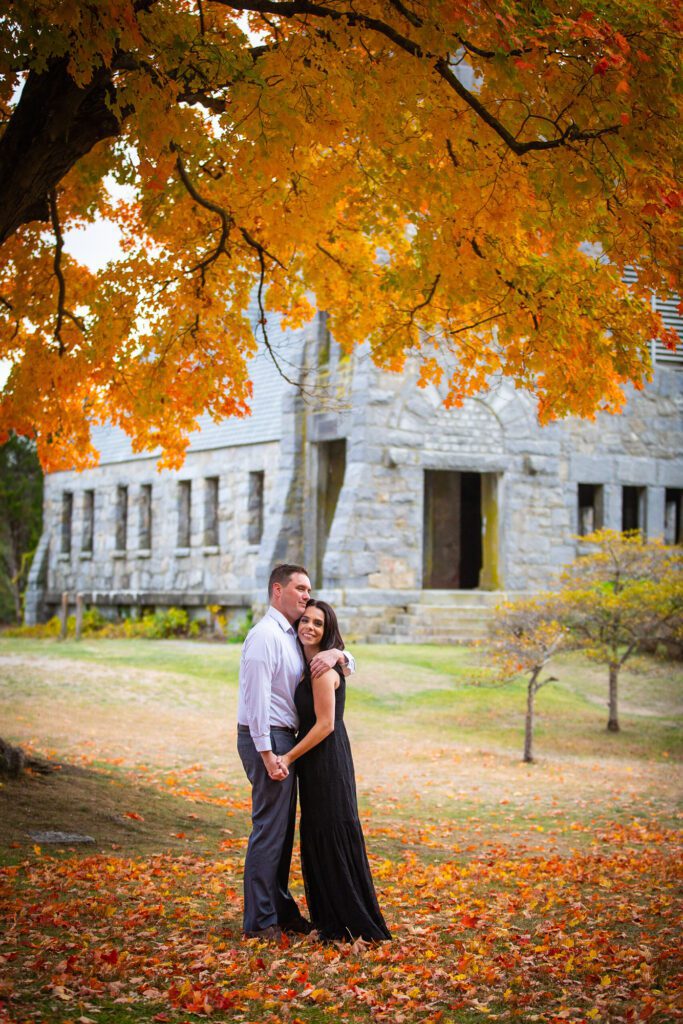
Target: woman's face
{"type": "Point", "coordinates": [311, 627]}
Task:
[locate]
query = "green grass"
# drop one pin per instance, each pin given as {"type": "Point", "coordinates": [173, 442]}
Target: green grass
{"type": "Point", "coordinates": [203, 661]}
{"type": "Point", "coordinates": [44, 1009]}
{"type": "Point", "coordinates": [409, 689]}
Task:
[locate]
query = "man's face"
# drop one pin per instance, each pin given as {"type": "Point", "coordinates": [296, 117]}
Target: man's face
{"type": "Point", "coordinates": [291, 598]}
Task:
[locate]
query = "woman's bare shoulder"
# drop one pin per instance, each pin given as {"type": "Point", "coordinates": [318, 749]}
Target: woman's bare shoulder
{"type": "Point", "coordinates": [330, 677]}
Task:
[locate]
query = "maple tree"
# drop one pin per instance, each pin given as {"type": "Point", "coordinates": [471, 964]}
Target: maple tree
{"type": "Point", "coordinates": [624, 593]}
{"type": "Point", "coordinates": [458, 184]}
{"type": "Point", "coordinates": [523, 637]}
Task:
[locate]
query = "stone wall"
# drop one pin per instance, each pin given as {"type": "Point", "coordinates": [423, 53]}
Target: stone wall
{"type": "Point", "coordinates": [218, 568]}
{"type": "Point", "coordinates": [373, 554]}
{"type": "Point", "coordinates": [532, 472]}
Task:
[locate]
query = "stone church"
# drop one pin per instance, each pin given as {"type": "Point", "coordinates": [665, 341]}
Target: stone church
{"type": "Point", "coordinates": [411, 518]}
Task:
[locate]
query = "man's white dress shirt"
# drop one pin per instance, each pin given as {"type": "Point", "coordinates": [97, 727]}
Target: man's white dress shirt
{"type": "Point", "coordinates": [271, 666]}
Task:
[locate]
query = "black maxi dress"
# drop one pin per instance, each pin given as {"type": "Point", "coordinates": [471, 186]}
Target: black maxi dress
{"type": "Point", "coordinates": [339, 891]}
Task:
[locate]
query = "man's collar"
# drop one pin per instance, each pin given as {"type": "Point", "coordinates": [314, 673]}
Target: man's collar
{"type": "Point", "coordinates": [282, 621]}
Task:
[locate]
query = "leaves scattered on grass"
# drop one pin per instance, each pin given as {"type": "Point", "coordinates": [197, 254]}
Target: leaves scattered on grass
{"type": "Point", "coordinates": [508, 934]}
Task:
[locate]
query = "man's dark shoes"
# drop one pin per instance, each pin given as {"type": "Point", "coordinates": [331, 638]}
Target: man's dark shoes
{"type": "Point", "coordinates": [273, 933]}
{"type": "Point", "coordinates": [299, 926]}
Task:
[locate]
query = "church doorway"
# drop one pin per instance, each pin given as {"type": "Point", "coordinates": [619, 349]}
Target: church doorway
{"type": "Point", "coordinates": [460, 535]}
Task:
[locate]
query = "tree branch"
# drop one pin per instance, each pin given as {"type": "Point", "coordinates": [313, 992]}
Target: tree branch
{"type": "Point", "coordinates": [488, 54]}
{"type": "Point", "coordinates": [263, 323]}
{"type": "Point", "coordinates": [442, 65]}
{"type": "Point", "coordinates": [510, 284]}
{"type": "Point", "coordinates": [10, 309]}
{"type": "Point", "coordinates": [426, 302]}
{"type": "Point", "coordinates": [62, 311]}
{"type": "Point", "coordinates": [227, 220]}
{"type": "Point", "coordinates": [260, 249]}
{"type": "Point", "coordinates": [451, 153]}
{"type": "Point", "coordinates": [405, 13]}
{"type": "Point", "coordinates": [331, 256]}
{"type": "Point", "coordinates": [54, 124]}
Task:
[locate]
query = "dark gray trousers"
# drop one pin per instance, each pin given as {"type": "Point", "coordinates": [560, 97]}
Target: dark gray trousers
{"type": "Point", "coordinates": [267, 899]}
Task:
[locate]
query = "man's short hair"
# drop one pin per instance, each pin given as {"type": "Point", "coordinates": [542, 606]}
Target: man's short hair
{"type": "Point", "coordinates": [282, 574]}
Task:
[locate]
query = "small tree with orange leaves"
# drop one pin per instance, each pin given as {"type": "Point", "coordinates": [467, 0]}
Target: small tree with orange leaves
{"type": "Point", "coordinates": [524, 636]}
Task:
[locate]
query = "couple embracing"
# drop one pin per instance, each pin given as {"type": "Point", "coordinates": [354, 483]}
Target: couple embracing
{"type": "Point", "coordinates": [290, 712]}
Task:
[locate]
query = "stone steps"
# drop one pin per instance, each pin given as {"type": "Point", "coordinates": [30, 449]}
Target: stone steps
{"type": "Point", "coordinates": [459, 598]}
{"type": "Point", "coordinates": [442, 617]}
{"type": "Point", "coordinates": [435, 624]}
{"type": "Point", "coordinates": [424, 629]}
{"type": "Point", "coordinates": [427, 617]}
{"type": "Point", "coordinates": [449, 636]}
{"type": "Point", "coordinates": [436, 614]}
{"type": "Point", "coordinates": [441, 639]}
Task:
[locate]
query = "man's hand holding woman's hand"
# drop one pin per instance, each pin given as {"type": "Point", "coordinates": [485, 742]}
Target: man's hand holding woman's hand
{"type": "Point", "coordinates": [275, 767]}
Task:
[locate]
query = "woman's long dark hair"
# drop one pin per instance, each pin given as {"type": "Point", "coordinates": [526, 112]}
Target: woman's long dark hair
{"type": "Point", "coordinates": [331, 636]}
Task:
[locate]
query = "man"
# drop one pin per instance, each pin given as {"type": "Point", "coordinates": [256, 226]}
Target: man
{"type": "Point", "coordinates": [271, 667]}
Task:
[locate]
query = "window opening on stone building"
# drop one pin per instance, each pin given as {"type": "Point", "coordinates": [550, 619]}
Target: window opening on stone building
{"type": "Point", "coordinates": [67, 518]}
{"type": "Point", "coordinates": [88, 535]}
{"type": "Point", "coordinates": [145, 517]}
{"type": "Point", "coordinates": [673, 515]}
{"type": "Point", "coordinates": [331, 458]}
{"type": "Point", "coordinates": [591, 508]}
{"type": "Point", "coordinates": [184, 513]}
{"type": "Point", "coordinates": [460, 530]}
{"type": "Point", "coordinates": [211, 511]}
{"type": "Point", "coordinates": [633, 508]}
{"type": "Point", "coordinates": [255, 506]}
{"type": "Point", "coordinates": [121, 517]}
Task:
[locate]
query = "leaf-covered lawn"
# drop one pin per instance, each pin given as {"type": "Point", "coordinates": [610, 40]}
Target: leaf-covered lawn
{"type": "Point", "coordinates": [548, 893]}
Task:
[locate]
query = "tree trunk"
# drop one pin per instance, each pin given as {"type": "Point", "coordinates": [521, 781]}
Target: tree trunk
{"type": "Point", "coordinates": [613, 720]}
{"type": "Point", "coordinates": [12, 760]}
{"type": "Point", "coordinates": [529, 723]}
{"type": "Point", "coordinates": [55, 123]}
{"type": "Point", "coordinates": [16, 594]}
{"type": "Point", "coordinates": [13, 578]}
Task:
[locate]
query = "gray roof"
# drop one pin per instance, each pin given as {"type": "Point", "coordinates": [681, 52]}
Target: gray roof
{"type": "Point", "coordinates": [264, 423]}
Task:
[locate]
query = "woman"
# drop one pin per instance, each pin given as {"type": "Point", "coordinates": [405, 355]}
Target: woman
{"type": "Point", "coordinates": [339, 890]}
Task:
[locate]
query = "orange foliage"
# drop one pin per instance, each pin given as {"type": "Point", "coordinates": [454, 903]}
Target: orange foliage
{"type": "Point", "coordinates": [578, 925]}
{"type": "Point", "coordinates": [430, 173]}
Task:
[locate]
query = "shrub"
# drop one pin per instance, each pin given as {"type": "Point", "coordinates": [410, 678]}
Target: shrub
{"type": "Point", "coordinates": [43, 630]}
{"type": "Point", "coordinates": [93, 621]}
{"type": "Point", "coordinates": [158, 625]}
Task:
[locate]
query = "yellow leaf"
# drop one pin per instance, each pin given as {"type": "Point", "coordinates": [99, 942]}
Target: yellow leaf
{"type": "Point", "coordinates": [320, 995]}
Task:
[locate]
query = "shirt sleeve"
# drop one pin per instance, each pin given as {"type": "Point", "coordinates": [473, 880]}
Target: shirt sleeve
{"type": "Point", "coordinates": [351, 662]}
{"type": "Point", "coordinates": [258, 665]}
